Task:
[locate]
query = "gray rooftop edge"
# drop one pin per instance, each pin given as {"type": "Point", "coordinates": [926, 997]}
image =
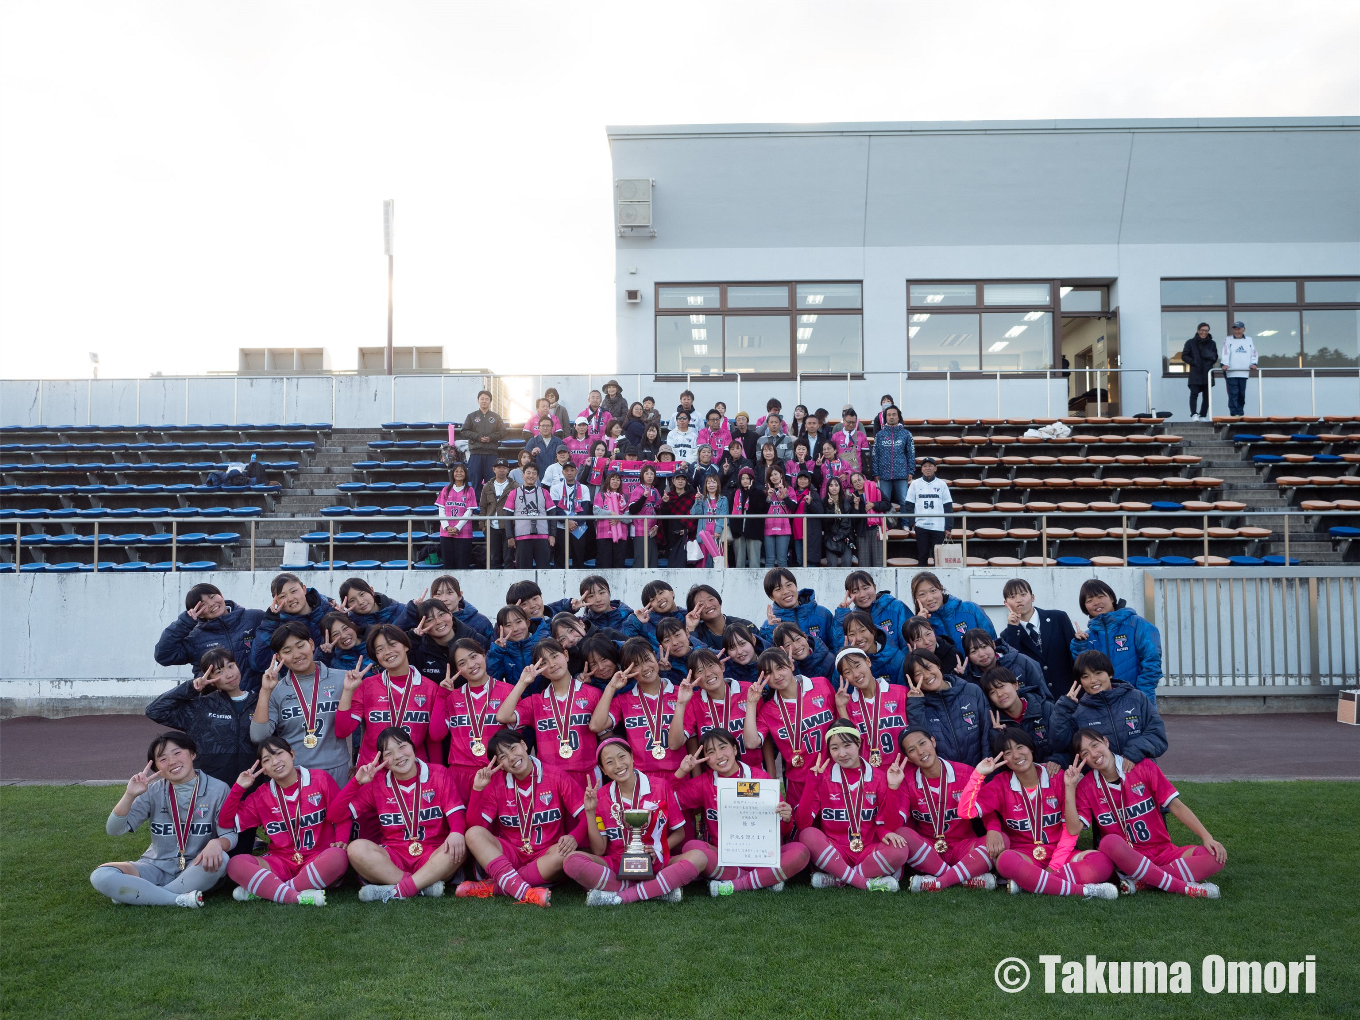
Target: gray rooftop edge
{"type": "Point", "coordinates": [976, 126]}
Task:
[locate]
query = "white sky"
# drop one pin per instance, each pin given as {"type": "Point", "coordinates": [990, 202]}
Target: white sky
{"type": "Point", "coordinates": [178, 180]}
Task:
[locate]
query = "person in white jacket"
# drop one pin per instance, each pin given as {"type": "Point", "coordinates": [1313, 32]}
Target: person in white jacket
{"type": "Point", "coordinates": [1239, 360]}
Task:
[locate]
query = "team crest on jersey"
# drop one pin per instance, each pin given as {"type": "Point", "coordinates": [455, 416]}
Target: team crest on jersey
{"type": "Point", "coordinates": [1139, 789]}
{"type": "Point", "coordinates": [819, 701]}
{"type": "Point", "coordinates": [1121, 642]}
{"type": "Point", "coordinates": [202, 811]}
{"type": "Point", "coordinates": [582, 702]}
{"type": "Point", "coordinates": [1051, 801]}
{"type": "Point", "coordinates": [890, 706]}
{"type": "Point", "coordinates": [869, 798]}
{"type": "Point", "coordinates": [1039, 731]}
{"type": "Point", "coordinates": [314, 799]}
{"type": "Point", "coordinates": [1131, 721]}
{"type": "Point", "coordinates": [328, 692]}
{"type": "Point", "coordinates": [427, 795]}
{"type": "Point", "coordinates": [419, 699]}
{"type": "Point", "coordinates": [968, 717]}
{"type": "Point", "coordinates": [962, 628]}
{"type": "Point", "coordinates": [546, 798]}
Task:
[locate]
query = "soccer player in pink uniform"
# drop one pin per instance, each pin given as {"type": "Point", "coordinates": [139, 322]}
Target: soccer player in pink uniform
{"type": "Point", "coordinates": [396, 696]}
{"type": "Point", "coordinates": [942, 843]}
{"type": "Point", "coordinates": [708, 700]}
{"type": "Point", "coordinates": [524, 822]}
{"type": "Point", "coordinates": [560, 713]}
{"type": "Point", "coordinates": [794, 712]}
{"type": "Point", "coordinates": [306, 847]}
{"type": "Point", "coordinates": [1125, 803]}
{"type": "Point", "coordinates": [721, 752]}
{"type": "Point", "coordinates": [877, 707]}
{"type": "Point", "coordinates": [647, 711]}
{"type": "Point", "coordinates": [626, 787]}
{"type": "Point", "coordinates": [420, 817]}
{"type": "Point", "coordinates": [846, 815]}
{"type": "Point", "coordinates": [1024, 817]}
{"type": "Point", "coordinates": [466, 713]}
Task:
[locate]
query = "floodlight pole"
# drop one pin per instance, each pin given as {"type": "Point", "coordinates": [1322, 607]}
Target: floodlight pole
{"type": "Point", "coordinates": [389, 215]}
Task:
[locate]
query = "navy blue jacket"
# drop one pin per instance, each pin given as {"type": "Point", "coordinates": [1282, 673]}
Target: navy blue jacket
{"type": "Point", "coordinates": [748, 673]}
{"type": "Point", "coordinates": [959, 718]}
{"type": "Point", "coordinates": [633, 627]}
{"type": "Point", "coordinates": [1133, 645]}
{"type": "Point", "coordinates": [820, 662]}
{"type": "Point", "coordinates": [398, 614]}
{"type": "Point", "coordinates": [184, 642]}
{"type": "Point", "coordinates": [701, 635]}
{"type": "Point", "coordinates": [614, 619]}
{"type": "Point", "coordinates": [1123, 714]}
{"type": "Point", "coordinates": [338, 658]}
{"type": "Point", "coordinates": [220, 727]}
{"type": "Point", "coordinates": [544, 453]}
{"type": "Point", "coordinates": [813, 620]}
{"type": "Point", "coordinates": [888, 612]}
{"type": "Point", "coordinates": [1055, 655]}
{"type": "Point", "coordinates": [484, 628]}
{"type": "Point", "coordinates": [887, 663]}
{"type": "Point", "coordinates": [506, 662]}
{"type": "Point", "coordinates": [429, 657]}
{"type": "Point", "coordinates": [317, 607]}
{"type": "Point", "coordinates": [1037, 721]}
{"type": "Point", "coordinates": [1026, 670]}
{"type": "Point", "coordinates": [955, 618]}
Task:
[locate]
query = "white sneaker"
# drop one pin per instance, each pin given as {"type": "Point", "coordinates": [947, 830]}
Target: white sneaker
{"type": "Point", "coordinates": [195, 899]}
{"type": "Point", "coordinates": [986, 881]}
{"type": "Point", "coordinates": [1013, 887]}
{"type": "Point", "coordinates": [240, 894]}
{"type": "Point", "coordinates": [821, 880]}
{"type": "Point", "coordinates": [884, 883]}
{"type": "Point", "coordinates": [1201, 890]}
{"type": "Point", "coordinates": [312, 898]}
{"type": "Point", "coordinates": [601, 898]}
{"type": "Point", "coordinates": [924, 883]}
{"type": "Point", "coordinates": [376, 893]}
{"type": "Point", "coordinates": [434, 890]}
{"type": "Point", "coordinates": [674, 896]}
{"type": "Point", "coordinates": [1100, 891]}
{"type": "Point", "coordinates": [718, 887]}
{"type": "Point", "coordinates": [777, 887]}
{"type": "Point", "coordinates": [1127, 885]}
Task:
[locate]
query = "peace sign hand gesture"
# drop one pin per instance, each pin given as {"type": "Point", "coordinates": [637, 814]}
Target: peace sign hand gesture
{"type": "Point", "coordinates": [270, 680]}
{"type": "Point", "coordinates": [845, 602]}
{"type": "Point", "coordinates": [1074, 692]}
{"type": "Point", "coordinates": [620, 679]}
{"type": "Point", "coordinates": [989, 765]}
{"type": "Point", "coordinates": [692, 620]}
{"type": "Point", "coordinates": [643, 613]}
{"type": "Point", "coordinates": [420, 627]}
{"type": "Point", "coordinates": [590, 797]}
{"type": "Point", "coordinates": [328, 645]}
{"type": "Point", "coordinates": [689, 763]}
{"type": "Point", "coordinates": [355, 676]}
{"type": "Point", "coordinates": [247, 778]}
{"type": "Point", "coordinates": [447, 683]}
{"type": "Point", "coordinates": [205, 679]}
{"type": "Point", "coordinates": [1072, 775]}
{"type": "Point", "coordinates": [276, 605]}
{"type": "Point", "coordinates": [364, 774]}
{"type": "Point", "coordinates": [820, 765]}
{"type": "Point", "coordinates": [914, 688]}
{"type": "Point", "coordinates": [842, 697]}
{"type": "Point", "coordinates": [897, 772]}
{"type": "Point", "coordinates": [502, 636]}
{"type": "Point", "coordinates": [686, 689]}
{"type": "Point", "coordinates": [528, 675]}
{"type": "Point", "coordinates": [770, 618]}
{"type": "Point", "coordinates": [996, 719]}
{"type": "Point", "coordinates": [484, 775]}
{"type": "Point", "coordinates": [755, 691]}
{"type": "Point", "coordinates": [137, 785]}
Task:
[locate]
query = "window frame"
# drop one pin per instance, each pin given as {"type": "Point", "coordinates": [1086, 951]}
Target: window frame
{"type": "Point", "coordinates": [1054, 308]}
{"type": "Point", "coordinates": [790, 309]}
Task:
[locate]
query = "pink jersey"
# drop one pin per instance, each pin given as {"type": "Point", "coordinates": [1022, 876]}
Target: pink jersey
{"type": "Point", "coordinates": [919, 796]}
{"type": "Point", "coordinates": [718, 441]}
{"type": "Point", "coordinates": [1006, 806]}
{"type": "Point", "coordinates": [574, 710]}
{"type": "Point", "coordinates": [650, 497]}
{"type": "Point", "coordinates": [883, 716]}
{"type": "Point", "coordinates": [1132, 807]}
{"type": "Point", "coordinates": [607, 528]}
{"type": "Point", "coordinates": [372, 707]}
{"type": "Point", "coordinates": [705, 713]}
{"type": "Point", "coordinates": [597, 422]}
{"type": "Point", "coordinates": [851, 446]}
{"type": "Point", "coordinates": [826, 806]}
{"type": "Point", "coordinates": [455, 506]}
{"type": "Point", "coordinates": [818, 711]}
{"type": "Point", "coordinates": [652, 791]}
{"type": "Point", "coordinates": [548, 802]}
{"type": "Point", "coordinates": [307, 802]}
{"type": "Point", "coordinates": [441, 811]}
{"type": "Point", "coordinates": [834, 469]}
{"type": "Point", "coordinates": [580, 449]}
{"type": "Point", "coordinates": [455, 713]}
{"type": "Point", "coordinates": [700, 793]}
{"type": "Point", "coordinates": [644, 729]}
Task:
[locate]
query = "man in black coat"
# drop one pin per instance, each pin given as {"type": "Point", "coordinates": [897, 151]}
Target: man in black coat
{"type": "Point", "coordinates": [1200, 356]}
{"type": "Point", "coordinates": [1045, 635]}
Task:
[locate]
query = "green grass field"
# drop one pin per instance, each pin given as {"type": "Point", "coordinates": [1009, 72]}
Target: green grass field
{"type": "Point", "coordinates": [1288, 891]}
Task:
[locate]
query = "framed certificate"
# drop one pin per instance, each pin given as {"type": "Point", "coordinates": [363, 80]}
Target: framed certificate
{"type": "Point", "coordinates": [748, 823]}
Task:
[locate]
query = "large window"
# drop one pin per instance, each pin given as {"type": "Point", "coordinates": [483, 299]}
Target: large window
{"type": "Point", "coordinates": [770, 330]}
{"type": "Point", "coordinates": [1295, 323]}
{"type": "Point", "coordinates": [988, 326]}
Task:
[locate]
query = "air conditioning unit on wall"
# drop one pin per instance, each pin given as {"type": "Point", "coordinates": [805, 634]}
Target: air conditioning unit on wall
{"type": "Point", "coordinates": [633, 297]}
{"type": "Point", "coordinates": [633, 197]}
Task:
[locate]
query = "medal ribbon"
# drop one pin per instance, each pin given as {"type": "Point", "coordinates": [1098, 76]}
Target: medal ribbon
{"type": "Point", "coordinates": [1036, 820]}
{"type": "Point", "coordinates": [525, 815]}
{"type": "Point", "coordinates": [854, 807]}
{"type": "Point", "coordinates": [476, 720]}
{"type": "Point", "coordinates": [182, 832]}
{"type": "Point", "coordinates": [398, 714]}
{"type": "Point", "coordinates": [795, 731]}
{"type": "Point", "coordinates": [1118, 809]}
{"type": "Point", "coordinates": [293, 822]}
{"type": "Point", "coordinates": [937, 812]}
{"type": "Point", "coordinates": [719, 723]}
{"type": "Point", "coordinates": [309, 709]}
{"type": "Point", "coordinates": [563, 721]}
{"type": "Point", "coordinates": [410, 820]}
{"type": "Point", "coordinates": [872, 718]}
{"type": "Point", "coordinates": [653, 723]}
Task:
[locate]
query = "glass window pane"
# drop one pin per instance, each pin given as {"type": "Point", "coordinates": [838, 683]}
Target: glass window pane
{"type": "Point", "coordinates": [940, 343]}
{"type": "Point", "coordinates": [1178, 327]}
{"type": "Point", "coordinates": [1073, 300]}
{"type": "Point", "coordinates": [944, 294]}
{"type": "Point", "coordinates": [687, 297]}
{"type": "Point", "coordinates": [829, 295]}
{"type": "Point", "coordinates": [1016, 294]}
{"type": "Point", "coordinates": [1276, 335]}
{"type": "Point", "coordinates": [757, 297]}
{"type": "Point", "coordinates": [689, 343]}
{"type": "Point", "coordinates": [830, 343]}
{"type": "Point", "coordinates": [1316, 291]}
{"type": "Point", "coordinates": [1194, 292]}
{"type": "Point", "coordinates": [1017, 341]}
{"type": "Point", "coordinates": [758, 343]}
{"type": "Point", "coordinates": [1265, 292]}
{"type": "Point", "coordinates": [1331, 339]}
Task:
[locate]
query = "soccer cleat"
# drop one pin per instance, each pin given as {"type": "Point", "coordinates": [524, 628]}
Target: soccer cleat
{"type": "Point", "coordinates": [603, 898]}
{"type": "Point", "coordinates": [1127, 886]}
{"type": "Point", "coordinates": [717, 887]}
{"type": "Point", "coordinates": [195, 899]}
{"type": "Point", "coordinates": [777, 887]}
{"type": "Point", "coordinates": [241, 894]}
{"type": "Point", "coordinates": [376, 893]}
{"type": "Point", "coordinates": [1100, 891]}
{"type": "Point", "coordinates": [312, 897]}
{"type": "Point", "coordinates": [925, 883]}
{"type": "Point", "coordinates": [821, 880]}
{"type": "Point", "coordinates": [1014, 887]}
{"type": "Point", "coordinates": [1201, 890]}
{"type": "Point", "coordinates": [434, 890]}
{"type": "Point", "coordinates": [987, 882]}
{"type": "Point", "coordinates": [674, 896]}
{"type": "Point", "coordinates": [484, 889]}
{"type": "Point", "coordinates": [884, 883]}
{"type": "Point", "coordinates": [538, 896]}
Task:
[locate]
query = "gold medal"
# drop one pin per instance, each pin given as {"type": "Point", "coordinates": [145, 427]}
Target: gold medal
{"type": "Point", "coordinates": [415, 849]}
{"type": "Point", "coordinates": [856, 844]}
{"type": "Point", "coordinates": [941, 845]}
{"type": "Point", "coordinates": [794, 727]}
{"type": "Point", "coordinates": [478, 748]}
{"type": "Point", "coordinates": [182, 831]}
{"type": "Point", "coordinates": [297, 857]}
{"type": "Point", "coordinates": [564, 750]}
{"type": "Point", "coordinates": [307, 708]}
{"type": "Point", "coordinates": [181, 862]}
{"type": "Point", "coordinates": [875, 759]}
{"type": "Point", "coordinates": [658, 752]}
{"type": "Point", "coordinates": [1039, 852]}
{"type": "Point", "coordinates": [561, 722]}
{"type": "Point", "coordinates": [797, 760]}
{"type": "Point", "coordinates": [309, 740]}
{"type": "Point", "coordinates": [526, 847]}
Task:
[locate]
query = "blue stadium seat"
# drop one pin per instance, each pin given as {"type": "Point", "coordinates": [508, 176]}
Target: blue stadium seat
{"type": "Point", "coordinates": [247, 511]}
{"type": "Point", "coordinates": [395, 564]}
{"type": "Point", "coordinates": [396, 510]}
{"type": "Point", "coordinates": [71, 567]}
{"type": "Point", "coordinates": [223, 538]}
{"type": "Point", "coordinates": [335, 511]}
{"type": "Point", "coordinates": [33, 568]}
{"type": "Point", "coordinates": [1246, 561]}
{"type": "Point", "coordinates": [1177, 561]}
{"type": "Point", "coordinates": [365, 565]}
{"type": "Point", "coordinates": [352, 487]}
{"type": "Point", "coordinates": [1278, 561]}
{"type": "Point", "coordinates": [134, 567]}
{"type": "Point", "coordinates": [425, 510]}
{"type": "Point", "coordinates": [159, 538]}
{"type": "Point", "coordinates": [350, 536]}
{"type": "Point", "coordinates": [1344, 532]}
{"type": "Point", "coordinates": [60, 540]}
{"type": "Point", "coordinates": [1073, 561]}
{"type": "Point", "coordinates": [410, 486]}
{"type": "Point", "coordinates": [1166, 506]}
{"type": "Point", "coordinates": [193, 538]}
{"type": "Point", "coordinates": [1144, 561]}
{"type": "Point", "coordinates": [316, 536]}
{"type": "Point", "coordinates": [381, 536]}
{"type": "Point", "coordinates": [381, 486]}
{"type": "Point", "coordinates": [328, 565]}
{"type": "Point", "coordinates": [198, 565]}
{"type": "Point", "coordinates": [89, 568]}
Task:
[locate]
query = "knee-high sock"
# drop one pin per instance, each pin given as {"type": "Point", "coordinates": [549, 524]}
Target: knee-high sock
{"type": "Point", "coordinates": [1033, 877]}
{"type": "Point", "coordinates": [406, 888]}
{"type": "Point", "coordinates": [1094, 866]}
{"type": "Point", "coordinates": [249, 873]}
{"type": "Point", "coordinates": [882, 860]}
{"type": "Point", "coordinates": [532, 875]}
{"type": "Point", "coordinates": [590, 874]}
{"type": "Point", "coordinates": [921, 855]}
{"type": "Point", "coordinates": [130, 889]}
{"type": "Point", "coordinates": [679, 872]}
{"type": "Point", "coordinates": [195, 878]}
{"type": "Point", "coordinates": [825, 856]}
{"type": "Point", "coordinates": [507, 879]}
{"type": "Point", "coordinates": [325, 868]}
{"type": "Point", "coordinates": [710, 852]}
{"type": "Point", "coordinates": [793, 858]}
{"type": "Point", "coordinates": [975, 862]}
{"type": "Point", "coordinates": [1197, 867]}
{"type": "Point", "coordinates": [1134, 864]}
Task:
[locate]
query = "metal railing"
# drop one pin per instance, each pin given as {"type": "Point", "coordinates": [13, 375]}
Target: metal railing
{"type": "Point", "coordinates": [1259, 375]}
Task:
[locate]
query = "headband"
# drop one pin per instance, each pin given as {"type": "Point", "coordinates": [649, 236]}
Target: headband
{"type": "Point", "coordinates": [845, 730]}
{"type": "Point", "coordinates": [599, 750]}
{"type": "Point", "coordinates": [849, 651]}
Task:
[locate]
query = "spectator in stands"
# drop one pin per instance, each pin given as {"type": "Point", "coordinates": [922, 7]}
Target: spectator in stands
{"type": "Point", "coordinates": [950, 616]}
{"type": "Point", "coordinates": [211, 621]}
{"type": "Point", "coordinates": [543, 447]}
{"type": "Point", "coordinates": [528, 505]}
{"type": "Point", "coordinates": [683, 440]}
{"type": "Point", "coordinates": [555, 473]}
{"type": "Point", "coordinates": [517, 472]}
{"type": "Point", "coordinates": [447, 590]}
{"type": "Point", "coordinates": [766, 458]}
{"type": "Point", "coordinates": [894, 457]}
{"type": "Point", "coordinates": [686, 403]}
{"type": "Point", "coordinates": [635, 425]}
{"type": "Point", "coordinates": [611, 529]}
{"type": "Point", "coordinates": [293, 600]}
{"type": "Point", "coordinates": [492, 506]}
{"type": "Point", "coordinates": [715, 432]}
{"type": "Point", "coordinates": [483, 429]}
{"type": "Point", "coordinates": [650, 414]}
{"type": "Point", "coordinates": [733, 460]}
{"type": "Point", "coordinates": [741, 430]}
{"type": "Point", "coordinates": [985, 652]}
{"type": "Point", "coordinates": [703, 467]}
{"type": "Point", "coordinates": [557, 411]}
{"type": "Point", "coordinates": [710, 510]}
{"type": "Point", "coordinates": [579, 442]}
{"type": "Point", "coordinates": [343, 645]}
{"type": "Point", "coordinates": [814, 434]}
{"type": "Point", "coordinates": [575, 503]}
{"type": "Point", "coordinates": [649, 447]}
{"type": "Point", "coordinates": [1132, 644]}
{"type": "Point", "coordinates": [929, 501]}
{"type": "Point", "coordinates": [830, 466]}
{"type": "Point", "coordinates": [777, 503]}
{"type": "Point", "coordinates": [850, 440]}
{"type": "Point", "coordinates": [884, 402]}
{"type": "Point", "coordinates": [457, 502]}
{"type": "Point", "coordinates": [807, 527]}
{"type": "Point", "coordinates": [613, 435]}
{"type": "Point", "coordinates": [541, 410]}
{"type": "Point", "coordinates": [1239, 361]}
{"type": "Point", "coordinates": [955, 712]}
{"type": "Point", "coordinates": [678, 526]}
{"type": "Point", "coordinates": [614, 402]}
{"type": "Point", "coordinates": [1045, 635]}
{"type": "Point", "coordinates": [367, 608]}
{"type": "Point", "coordinates": [1033, 715]}
{"type": "Point", "coordinates": [869, 531]}
{"type": "Point", "coordinates": [801, 459]}
{"type": "Point", "coordinates": [775, 436]}
{"type": "Point", "coordinates": [748, 535]}
{"type": "Point", "coordinates": [799, 416]}
{"type": "Point", "coordinates": [1120, 713]}
{"type": "Point", "coordinates": [921, 636]}
{"type": "Point", "coordinates": [597, 418]}
{"type": "Point", "coordinates": [1200, 358]}
{"type": "Point", "coordinates": [214, 710]}
{"type": "Point", "coordinates": [838, 531]}
{"type": "Point", "coordinates": [791, 604]}
{"type": "Point", "coordinates": [772, 406]}
{"type": "Point", "coordinates": [704, 617]}
{"type": "Point", "coordinates": [298, 699]}
{"type": "Point", "coordinates": [643, 499]}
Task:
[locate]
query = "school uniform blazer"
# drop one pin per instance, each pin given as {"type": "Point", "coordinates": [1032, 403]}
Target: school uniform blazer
{"type": "Point", "coordinates": [1055, 657]}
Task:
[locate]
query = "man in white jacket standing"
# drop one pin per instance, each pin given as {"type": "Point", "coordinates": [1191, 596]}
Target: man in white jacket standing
{"type": "Point", "coordinates": [1239, 360]}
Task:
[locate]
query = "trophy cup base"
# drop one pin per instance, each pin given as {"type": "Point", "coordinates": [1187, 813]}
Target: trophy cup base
{"type": "Point", "coordinates": [636, 868]}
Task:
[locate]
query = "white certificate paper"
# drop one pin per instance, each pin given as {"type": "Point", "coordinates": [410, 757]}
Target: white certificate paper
{"type": "Point", "coordinates": [748, 823]}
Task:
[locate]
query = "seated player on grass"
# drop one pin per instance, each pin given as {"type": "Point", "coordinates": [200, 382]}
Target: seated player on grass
{"type": "Point", "coordinates": [696, 790]}
{"type": "Point", "coordinates": [625, 787]}
{"type": "Point", "coordinates": [646, 712]}
{"type": "Point", "coordinates": [306, 848]}
{"type": "Point", "coordinates": [1024, 817]}
{"type": "Point", "coordinates": [420, 817]}
{"type": "Point", "coordinates": [524, 822]}
{"type": "Point", "coordinates": [188, 851]}
{"type": "Point", "coordinates": [466, 713]}
{"type": "Point", "coordinates": [1125, 801]}
{"type": "Point", "coordinates": [846, 817]}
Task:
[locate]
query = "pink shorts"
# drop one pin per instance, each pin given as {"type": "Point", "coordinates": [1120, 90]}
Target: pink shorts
{"type": "Point", "coordinates": [1165, 853]}
{"type": "Point", "coordinates": [281, 866]}
{"type": "Point", "coordinates": [961, 848]}
{"type": "Point", "coordinates": [517, 858]}
{"type": "Point", "coordinates": [402, 858]}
